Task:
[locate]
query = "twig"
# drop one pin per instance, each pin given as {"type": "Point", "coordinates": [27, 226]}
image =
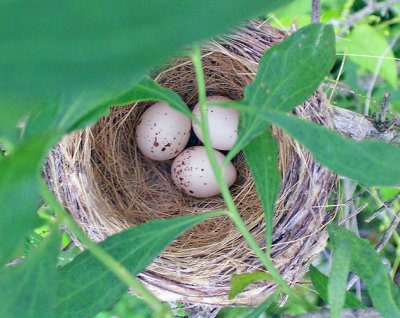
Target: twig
{"type": "Point", "coordinates": [338, 77]}
{"type": "Point", "coordinates": [385, 238]}
{"type": "Point", "coordinates": [355, 213]}
{"type": "Point", "coordinates": [376, 73]}
{"type": "Point", "coordinates": [362, 14]}
{"type": "Point", "coordinates": [381, 117]}
{"type": "Point", "coordinates": [69, 247]}
{"type": "Point", "coordinates": [385, 205]}
{"type": "Point", "coordinates": [316, 11]}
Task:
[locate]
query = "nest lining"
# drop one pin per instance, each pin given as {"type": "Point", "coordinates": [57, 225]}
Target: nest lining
{"type": "Point", "coordinates": [108, 186]}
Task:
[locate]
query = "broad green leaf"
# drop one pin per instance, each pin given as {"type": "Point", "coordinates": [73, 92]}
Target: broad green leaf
{"type": "Point", "coordinates": [365, 262]}
{"type": "Point", "coordinates": [19, 173]}
{"type": "Point", "coordinates": [87, 287]}
{"type": "Point", "coordinates": [262, 157]}
{"type": "Point", "coordinates": [100, 49]}
{"type": "Point", "coordinates": [75, 114]}
{"type": "Point", "coordinates": [338, 280]}
{"type": "Point", "coordinates": [320, 283]}
{"type": "Point", "coordinates": [145, 90]}
{"type": "Point", "coordinates": [371, 162]}
{"type": "Point", "coordinates": [240, 281]}
{"type": "Point", "coordinates": [288, 74]}
{"type": "Point", "coordinates": [28, 290]}
{"type": "Point", "coordinates": [370, 42]}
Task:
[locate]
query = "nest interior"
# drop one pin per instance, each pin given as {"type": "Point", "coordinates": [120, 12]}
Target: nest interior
{"type": "Point", "coordinates": [108, 186]}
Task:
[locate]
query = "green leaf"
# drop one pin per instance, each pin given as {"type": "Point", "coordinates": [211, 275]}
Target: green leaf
{"type": "Point", "coordinates": [262, 308]}
{"type": "Point", "coordinates": [368, 41]}
{"type": "Point", "coordinates": [288, 74]}
{"type": "Point", "coordinates": [338, 279]}
{"type": "Point", "coordinates": [19, 193]}
{"type": "Point", "coordinates": [28, 290]}
{"type": "Point", "coordinates": [72, 114]}
{"type": "Point", "coordinates": [320, 282]}
{"type": "Point", "coordinates": [87, 287]}
{"type": "Point", "coordinates": [262, 157]}
{"type": "Point", "coordinates": [240, 281]}
{"type": "Point", "coordinates": [98, 50]}
{"type": "Point", "coordinates": [10, 117]}
{"type": "Point", "coordinates": [366, 263]}
{"type": "Point", "coordinates": [371, 162]}
{"type": "Point", "coordinates": [145, 90]}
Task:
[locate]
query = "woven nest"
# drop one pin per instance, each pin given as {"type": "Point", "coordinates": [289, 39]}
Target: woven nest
{"type": "Point", "coordinates": [108, 186]}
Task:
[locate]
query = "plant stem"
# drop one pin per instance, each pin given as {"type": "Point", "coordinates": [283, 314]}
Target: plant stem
{"type": "Point", "coordinates": [113, 265]}
{"type": "Point", "coordinates": [218, 172]}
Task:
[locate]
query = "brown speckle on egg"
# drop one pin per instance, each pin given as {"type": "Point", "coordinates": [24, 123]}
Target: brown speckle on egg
{"type": "Point", "coordinates": [196, 173]}
{"type": "Point", "coordinates": [173, 132]}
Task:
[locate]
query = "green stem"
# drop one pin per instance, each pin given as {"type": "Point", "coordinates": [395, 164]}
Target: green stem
{"type": "Point", "coordinates": [218, 172]}
{"type": "Point", "coordinates": [113, 265]}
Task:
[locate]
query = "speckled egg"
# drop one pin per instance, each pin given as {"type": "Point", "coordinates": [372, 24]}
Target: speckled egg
{"type": "Point", "coordinates": [162, 132]}
{"type": "Point", "coordinates": [223, 124]}
{"type": "Point", "coordinates": [192, 173]}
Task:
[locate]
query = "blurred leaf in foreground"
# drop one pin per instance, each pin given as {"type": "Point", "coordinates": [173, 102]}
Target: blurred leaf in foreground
{"type": "Point", "coordinates": [86, 286]}
{"type": "Point", "coordinates": [28, 289]}
{"type": "Point", "coordinates": [19, 193]}
{"type": "Point", "coordinates": [97, 50]}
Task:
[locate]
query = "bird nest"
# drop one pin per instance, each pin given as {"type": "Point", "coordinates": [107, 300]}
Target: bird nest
{"type": "Point", "coordinates": [108, 186]}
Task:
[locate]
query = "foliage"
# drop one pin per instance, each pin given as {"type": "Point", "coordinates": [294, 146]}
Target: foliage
{"type": "Point", "coordinates": [62, 67]}
{"type": "Point", "coordinates": [384, 293]}
{"type": "Point", "coordinates": [361, 161]}
{"type": "Point", "coordinates": [320, 283]}
{"type": "Point", "coordinates": [85, 286]}
{"type": "Point", "coordinates": [360, 40]}
{"type": "Point", "coordinates": [240, 281]}
{"type": "Point", "coordinates": [29, 288]}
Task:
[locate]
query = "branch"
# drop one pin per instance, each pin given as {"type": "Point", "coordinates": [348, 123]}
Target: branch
{"type": "Point", "coordinates": [358, 127]}
{"type": "Point", "coordinates": [316, 11]}
{"type": "Point", "coordinates": [362, 14]}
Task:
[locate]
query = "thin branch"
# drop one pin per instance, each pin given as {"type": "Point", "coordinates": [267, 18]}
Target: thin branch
{"type": "Point", "coordinates": [353, 214]}
{"type": "Point", "coordinates": [338, 77]}
{"type": "Point", "coordinates": [316, 11]}
{"type": "Point", "coordinates": [372, 7]}
{"type": "Point", "coordinates": [376, 73]}
{"type": "Point", "coordinates": [384, 109]}
{"type": "Point", "coordinates": [386, 205]}
{"type": "Point", "coordinates": [388, 234]}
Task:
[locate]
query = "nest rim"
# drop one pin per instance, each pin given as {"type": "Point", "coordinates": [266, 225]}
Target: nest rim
{"type": "Point", "coordinates": [73, 173]}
